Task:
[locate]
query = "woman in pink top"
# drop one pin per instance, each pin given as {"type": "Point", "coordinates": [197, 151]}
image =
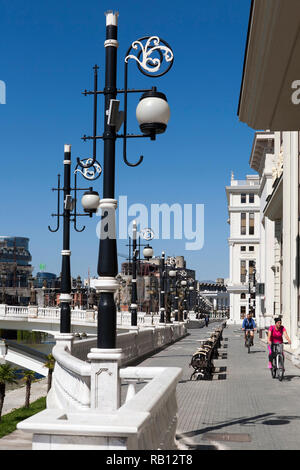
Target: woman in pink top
{"type": "Point", "coordinates": [275, 336]}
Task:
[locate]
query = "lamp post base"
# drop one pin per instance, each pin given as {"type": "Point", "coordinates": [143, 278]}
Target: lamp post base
{"type": "Point", "coordinates": [105, 379]}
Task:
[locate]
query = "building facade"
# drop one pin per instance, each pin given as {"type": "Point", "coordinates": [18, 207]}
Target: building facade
{"type": "Point", "coordinates": [15, 269]}
{"type": "Point", "coordinates": [269, 99]}
{"type": "Point", "coordinates": [244, 220]}
{"type": "Point", "coordinates": [216, 294]}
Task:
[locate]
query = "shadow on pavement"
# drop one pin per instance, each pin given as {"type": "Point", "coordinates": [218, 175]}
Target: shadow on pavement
{"type": "Point", "coordinates": [288, 378]}
{"type": "Point", "coordinates": [280, 420]}
{"type": "Point", "coordinates": [226, 424]}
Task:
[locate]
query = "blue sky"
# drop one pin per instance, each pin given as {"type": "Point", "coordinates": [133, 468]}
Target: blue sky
{"type": "Point", "coordinates": [47, 52]}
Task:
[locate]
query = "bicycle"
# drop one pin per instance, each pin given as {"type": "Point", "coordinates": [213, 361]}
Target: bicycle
{"type": "Point", "coordinates": [277, 361]}
{"type": "Point", "coordinates": [248, 339]}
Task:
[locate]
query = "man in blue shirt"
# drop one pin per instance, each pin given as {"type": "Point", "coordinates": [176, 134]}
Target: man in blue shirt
{"type": "Point", "coordinates": [249, 324]}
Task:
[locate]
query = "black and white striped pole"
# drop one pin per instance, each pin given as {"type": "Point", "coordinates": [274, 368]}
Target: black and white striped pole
{"type": "Point", "coordinates": [162, 289]}
{"type": "Point", "coordinates": [133, 306]}
{"type": "Point", "coordinates": [90, 201]}
{"type": "Point", "coordinates": [65, 292]}
{"type": "Point", "coordinates": [173, 276]}
{"type": "Point", "coordinates": [107, 260]}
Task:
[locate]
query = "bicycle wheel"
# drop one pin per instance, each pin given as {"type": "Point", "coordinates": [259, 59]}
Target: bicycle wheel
{"type": "Point", "coordinates": [273, 371]}
{"type": "Point", "coordinates": [280, 368]}
{"type": "Point", "coordinates": [248, 344]}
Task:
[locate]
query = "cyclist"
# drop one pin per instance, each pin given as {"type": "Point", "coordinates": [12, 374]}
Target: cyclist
{"type": "Point", "coordinates": [249, 324]}
{"type": "Point", "coordinates": [275, 336]}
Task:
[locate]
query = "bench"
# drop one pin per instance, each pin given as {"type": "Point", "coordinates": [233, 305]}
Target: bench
{"type": "Point", "coordinates": [202, 359]}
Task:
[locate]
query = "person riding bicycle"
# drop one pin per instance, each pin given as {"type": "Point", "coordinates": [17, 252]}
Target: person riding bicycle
{"type": "Point", "coordinates": [249, 324]}
{"type": "Point", "coordinates": [275, 336]}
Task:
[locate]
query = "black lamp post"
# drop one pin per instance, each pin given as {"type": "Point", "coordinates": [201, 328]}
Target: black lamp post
{"type": "Point", "coordinates": [134, 259]}
{"type": "Point", "coordinates": [152, 114]}
{"type": "Point", "coordinates": [133, 306]}
{"type": "Point", "coordinates": [173, 289]}
{"type": "Point", "coordinates": [90, 202]}
{"type": "Point", "coordinates": [162, 289]}
{"type": "Point", "coordinates": [191, 290]}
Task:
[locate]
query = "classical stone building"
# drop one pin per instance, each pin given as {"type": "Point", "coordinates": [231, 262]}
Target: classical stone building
{"type": "Point", "coordinates": [269, 99]}
{"type": "Point", "coordinates": [244, 221]}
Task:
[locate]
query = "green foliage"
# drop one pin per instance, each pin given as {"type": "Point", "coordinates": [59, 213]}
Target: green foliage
{"type": "Point", "coordinates": [50, 362]}
{"type": "Point", "coordinates": [10, 420]}
{"type": "Point", "coordinates": [30, 337]}
{"type": "Point", "coordinates": [7, 374]}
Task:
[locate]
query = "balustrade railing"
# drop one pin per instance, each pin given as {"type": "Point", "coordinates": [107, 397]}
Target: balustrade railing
{"type": "Point", "coordinates": [79, 315]}
{"type": "Point", "coordinates": [71, 381]}
{"type": "Point", "coordinates": [158, 398]}
{"type": "Point", "coordinates": [11, 311]}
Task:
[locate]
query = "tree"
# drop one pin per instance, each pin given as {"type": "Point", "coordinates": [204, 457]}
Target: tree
{"type": "Point", "coordinates": [7, 376]}
{"type": "Point", "coordinates": [29, 378]}
{"type": "Point", "coordinates": [50, 366]}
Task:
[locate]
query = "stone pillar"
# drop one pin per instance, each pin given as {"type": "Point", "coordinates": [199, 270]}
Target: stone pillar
{"type": "Point", "coordinates": [105, 379]}
{"type": "Point", "coordinates": [32, 311]}
{"type": "Point", "coordinates": [3, 349]}
{"type": "Point", "coordinates": [65, 340]}
{"type": "Point", "coordinates": [90, 315]}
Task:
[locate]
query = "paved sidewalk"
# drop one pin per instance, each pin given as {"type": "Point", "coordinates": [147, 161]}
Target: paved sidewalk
{"type": "Point", "coordinates": [243, 408]}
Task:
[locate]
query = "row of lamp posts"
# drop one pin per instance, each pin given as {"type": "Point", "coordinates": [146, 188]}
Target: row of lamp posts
{"type": "Point", "coordinates": [171, 281]}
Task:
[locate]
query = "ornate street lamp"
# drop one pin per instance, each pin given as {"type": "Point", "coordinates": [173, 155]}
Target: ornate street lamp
{"type": "Point", "coordinates": [173, 276]}
{"type": "Point", "coordinates": [153, 52]}
{"type": "Point", "coordinates": [90, 202]}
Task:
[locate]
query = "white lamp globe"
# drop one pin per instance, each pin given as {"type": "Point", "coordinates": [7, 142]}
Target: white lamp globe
{"type": "Point", "coordinates": [183, 283]}
{"type": "Point", "coordinates": [172, 273]}
{"type": "Point", "coordinates": [153, 113]}
{"type": "Point", "coordinates": [148, 252]}
{"type": "Point", "coordinates": [90, 201]}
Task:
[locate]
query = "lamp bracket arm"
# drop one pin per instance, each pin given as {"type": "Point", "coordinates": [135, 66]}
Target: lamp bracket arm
{"type": "Point", "coordinates": [58, 189]}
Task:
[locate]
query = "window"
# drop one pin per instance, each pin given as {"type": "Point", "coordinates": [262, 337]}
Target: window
{"type": "Point", "coordinates": [243, 312]}
{"type": "Point", "coordinates": [243, 198]}
{"type": "Point", "coordinates": [251, 198]}
{"type": "Point", "coordinates": [251, 270]}
{"type": "Point", "coordinates": [251, 223]}
{"type": "Point", "coordinates": [251, 248]}
{"type": "Point", "coordinates": [243, 296]}
{"type": "Point", "coordinates": [243, 223]}
{"type": "Point", "coordinates": [243, 270]}
{"type": "Point", "coordinates": [243, 248]}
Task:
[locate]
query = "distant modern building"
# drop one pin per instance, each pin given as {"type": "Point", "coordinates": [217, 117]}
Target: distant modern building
{"type": "Point", "coordinates": [15, 268]}
{"type": "Point", "coordinates": [244, 219]}
{"type": "Point", "coordinates": [15, 260]}
{"type": "Point", "coordinates": [44, 279]}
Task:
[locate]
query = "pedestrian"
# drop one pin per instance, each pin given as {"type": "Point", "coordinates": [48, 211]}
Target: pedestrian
{"type": "Point", "coordinates": [206, 319]}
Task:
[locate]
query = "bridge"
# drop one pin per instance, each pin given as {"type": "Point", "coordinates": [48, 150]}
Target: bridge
{"type": "Point", "coordinates": [48, 319]}
{"type": "Point", "coordinates": [22, 355]}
